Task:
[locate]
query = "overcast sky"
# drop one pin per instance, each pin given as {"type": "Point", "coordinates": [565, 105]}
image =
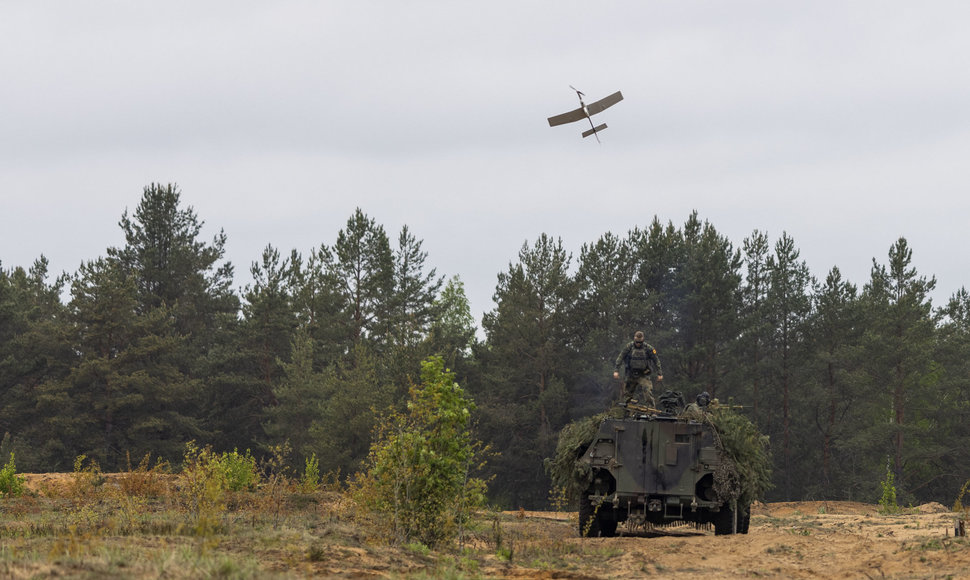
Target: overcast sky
{"type": "Point", "coordinates": [845, 124]}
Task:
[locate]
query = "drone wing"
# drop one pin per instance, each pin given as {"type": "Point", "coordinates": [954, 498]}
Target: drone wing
{"type": "Point", "coordinates": [602, 104]}
{"type": "Point", "coordinates": [570, 117]}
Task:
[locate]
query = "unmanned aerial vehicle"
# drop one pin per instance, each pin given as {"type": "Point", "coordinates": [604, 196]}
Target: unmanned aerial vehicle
{"type": "Point", "coordinates": [586, 112]}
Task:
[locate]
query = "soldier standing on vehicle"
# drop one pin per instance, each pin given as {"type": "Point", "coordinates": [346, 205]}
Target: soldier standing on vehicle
{"type": "Point", "coordinates": [637, 358]}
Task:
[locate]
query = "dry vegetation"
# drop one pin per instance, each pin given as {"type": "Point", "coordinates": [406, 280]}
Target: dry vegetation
{"type": "Point", "coordinates": [139, 525]}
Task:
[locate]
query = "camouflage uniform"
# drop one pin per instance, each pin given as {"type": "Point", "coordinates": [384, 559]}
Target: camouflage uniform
{"type": "Point", "coordinates": [637, 362]}
{"type": "Point", "coordinates": [697, 410]}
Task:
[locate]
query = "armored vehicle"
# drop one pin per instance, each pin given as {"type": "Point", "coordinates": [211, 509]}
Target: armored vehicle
{"type": "Point", "coordinates": [657, 469]}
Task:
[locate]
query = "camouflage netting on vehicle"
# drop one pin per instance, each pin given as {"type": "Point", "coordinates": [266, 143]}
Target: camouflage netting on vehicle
{"type": "Point", "coordinates": [744, 475]}
{"type": "Point", "coordinates": [745, 472]}
{"type": "Point", "coordinates": [566, 471]}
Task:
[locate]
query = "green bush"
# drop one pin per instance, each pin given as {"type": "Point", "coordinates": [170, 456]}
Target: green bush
{"type": "Point", "coordinates": [11, 484]}
{"type": "Point", "coordinates": [887, 503]}
{"type": "Point", "coordinates": [240, 470]}
{"type": "Point", "coordinates": [310, 481]}
{"type": "Point", "coordinates": [418, 470]}
{"type": "Point", "coordinates": [202, 487]}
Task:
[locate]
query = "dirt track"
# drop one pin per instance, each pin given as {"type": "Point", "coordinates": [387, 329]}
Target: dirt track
{"type": "Point", "coordinates": [786, 540]}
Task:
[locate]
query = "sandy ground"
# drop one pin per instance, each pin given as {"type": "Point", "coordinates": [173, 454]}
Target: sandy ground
{"type": "Point", "coordinates": [786, 540]}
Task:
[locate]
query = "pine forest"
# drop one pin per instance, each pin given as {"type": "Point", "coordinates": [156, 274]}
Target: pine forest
{"type": "Point", "coordinates": [152, 346]}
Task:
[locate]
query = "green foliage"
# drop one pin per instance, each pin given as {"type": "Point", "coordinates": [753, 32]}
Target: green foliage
{"type": "Point", "coordinates": [203, 484]}
{"type": "Point", "coordinates": [310, 480]}
{"type": "Point", "coordinates": [206, 479]}
{"type": "Point", "coordinates": [418, 471]}
{"type": "Point", "coordinates": [887, 503]}
{"type": "Point", "coordinates": [11, 484]}
{"type": "Point", "coordinates": [245, 372]}
{"type": "Point", "coordinates": [566, 472]}
{"type": "Point", "coordinates": [240, 470]}
{"type": "Point", "coordinates": [525, 399]}
{"type": "Point", "coordinates": [301, 395]}
{"type": "Point", "coordinates": [453, 330]}
{"type": "Point", "coordinates": [360, 265]}
{"type": "Point", "coordinates": [746, 451]}
{"type": "Point", "coordinates": [153, 350]}
{"type": "Point", "coordinates": [340, 432]}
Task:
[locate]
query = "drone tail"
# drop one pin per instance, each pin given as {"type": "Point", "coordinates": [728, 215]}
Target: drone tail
{"type": "Point", "coordinates": [594, 130]}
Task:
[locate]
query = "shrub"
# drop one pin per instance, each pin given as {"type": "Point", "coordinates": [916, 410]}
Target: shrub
{"type": "Point", "coordinates": [86, 485]}
{"type": "Point", "coordinates": [240, 470]}
{"type": "Point", "coordinates": [418, 469]}
{"type": "Point", "coordinates": [11, 484]}
{"type": "Point", "coordinates": [203, 485]}
{"type": "Point", "coordinates": [144, 480]}
{"type": "Point", "coordinates": [887, 503]}
{"type": "Point", "coordinates": [310, 481]}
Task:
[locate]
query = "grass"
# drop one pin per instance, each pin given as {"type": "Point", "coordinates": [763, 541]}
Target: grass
{"type": "Point", "coordinates": [150, 523]}
{"type": "Point", "coordinates": [140, 525]}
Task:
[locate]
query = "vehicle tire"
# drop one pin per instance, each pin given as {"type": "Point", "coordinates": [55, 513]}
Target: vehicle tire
{"type": "Point", "coordinates": [744, 520]}
{"type": "Point", "coordinates": [607, 521]}
{"type": "Point", "coordinates": [724, 521]}
{"type": "Point", "coordinates": [588, 519]}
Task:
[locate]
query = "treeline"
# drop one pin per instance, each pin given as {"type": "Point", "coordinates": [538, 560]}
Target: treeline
{"type": "Point", "coordinates": [154, 348]}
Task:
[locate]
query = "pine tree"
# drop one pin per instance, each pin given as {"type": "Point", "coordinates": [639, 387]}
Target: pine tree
{"type": "Point", "coordinates": [350, 397]}
{"type": "Point", "coordinates": [170, 266]}
{"type": "Point", "coordinates": [415, 291]}
{"type": "Point", "coordinates": [529, 327]}
{"type": "Point", "coordinates": [248, 365]}
{"type": "Point", "coordinates": [172, 269]}
{"type": "Point", "coordinates": [320, 306]}
{"type": "Point", "coordinates": [411, 311]}
{"type": "Point", "coordinates": [899, 351]}
{"type": "Point", "coordinates": [836, 332]}
{"type": "Point", "coordinates": [361, 266]}
{"type": "Point", "coordinates": [707, 302]}
{"type": "Point", "coordinates": [752, 345]}
{"type": "Point", "coordinates": [301, 398]}
{"type": "Point", "coordinates": [788, 306]}
{"type": "Point", "coordinates": [951, 415]}
{"type": "Point", "coordinates": [34, 350]}
{"type": "Point", "coordinates": [452, 334]}
{"type": "Point", "coordinates": [126, 392]}
{"type": "Point", "coordinates": [528, 358]}
{"type": "Point", "coordinates": [658, 265]}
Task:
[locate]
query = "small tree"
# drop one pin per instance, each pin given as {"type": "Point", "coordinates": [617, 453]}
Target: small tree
{"type": "Point", "coordinates": [12, 484]}
{"type": "Point", "coordinates": [417, 472]}
{"type": "Point", "coordinates": [887, 503]}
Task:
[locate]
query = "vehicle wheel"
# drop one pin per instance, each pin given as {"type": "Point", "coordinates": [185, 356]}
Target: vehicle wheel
{"type": "Point", "coordinates": [607, 521]}
{"type": "Point", "coordinates": [588, 524]}
{"type": "Point", "coordinates": [744, 519]}
{"type": "Point", "coordinates": [724, 521]}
